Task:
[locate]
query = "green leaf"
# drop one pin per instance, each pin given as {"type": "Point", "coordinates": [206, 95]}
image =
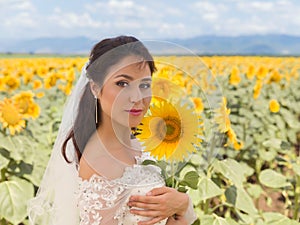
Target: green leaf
{"type": "Point", "coordinates": [196, 159]}
{"type": "Point", "coordinates": [254, 190]}
{"type": "Point", "coordinates": [245, 218]}
{"type": "Point", "coordinates": [232, 170]}
{"type": "Point", "coordinates": [170, 182]}
{"type": "Point", "coordinates": [267, 155]}
{"type": "Point", "coordinates": [272, 143]}
{"type": "Point", "coordinates": [272, 179]}
{"type": "Point", "coordinates": [214, 220]}
{"type": "Point", "coordinates": [272, 218]}
{"type": "Point", "coordinates": [248, 171]}
{"type": "Point", "coordinates": [149, 162]}
{"type": "Point", "coordinates": [280, 122]}
{"type": "Point", "coordinates": [7, 143]}
{"type": "Point", "coordinates": [239, 198]}
{"type": "Point", "coordinates": [182, 189]}
{"type": "Point", "coordinates": [230, 221]}
{"type": "Point", "coordinates": [296, 168]}
{"type": "Point", "coordinates": [3, 162]}
{"type": "Point", "coordinates": [14, 195]}
{"type": "Point", "coordinates": [191, 179]}
{"type": "Point", "coordinates": [206, 189]}
{"type": "Point", "coordinates": [290, 118]}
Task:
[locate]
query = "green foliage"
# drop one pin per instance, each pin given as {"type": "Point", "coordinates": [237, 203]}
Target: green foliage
{"type": "Point", "coordinates": [24, 157]}
{"type": "Point", "coordinates": [225, 185]}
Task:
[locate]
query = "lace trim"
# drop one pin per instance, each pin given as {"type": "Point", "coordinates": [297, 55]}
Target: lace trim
{"type": "Point", "coordinates": [99, 193]}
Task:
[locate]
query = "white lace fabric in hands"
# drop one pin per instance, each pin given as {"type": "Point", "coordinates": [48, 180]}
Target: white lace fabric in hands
{"type": "Point", "coordinates": [104, 201]}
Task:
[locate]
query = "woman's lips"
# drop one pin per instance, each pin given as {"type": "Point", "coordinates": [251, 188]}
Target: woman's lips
{"type": "Point", "coordinates": [135, 112]}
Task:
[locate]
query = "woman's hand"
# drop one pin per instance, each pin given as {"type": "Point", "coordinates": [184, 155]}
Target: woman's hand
{"type": "Point", "coordinates": [159, 203]}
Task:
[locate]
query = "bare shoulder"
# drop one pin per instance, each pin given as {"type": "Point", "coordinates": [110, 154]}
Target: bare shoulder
{"type": "Point", "coordinates": [86, 164]}
{"type": "Point", "coordinates": [85, 171]}
{"type": "Point", "coordinates": [97, 160]}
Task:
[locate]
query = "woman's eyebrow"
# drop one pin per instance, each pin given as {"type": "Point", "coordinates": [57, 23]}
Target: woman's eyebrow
{"type": "Point", "coordinates": [125, 76]}
{"type": "Point", "coordinates": [147, 79]}
{"type": "Point", "coordinates": [131, 78]}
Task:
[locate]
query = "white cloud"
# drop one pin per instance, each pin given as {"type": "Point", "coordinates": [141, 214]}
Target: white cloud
{"type": "Point", "coordinates": [209, 11]}
{"type": "Point", "coordinates": [17, 5]}
{"type": "Point", "coordinates": [148, 19]}
{"type": "Point", "coordinates": [118, 9]}
{"type": "Point", "coordinates": [256, 5]}
{"type": "Point", "coordinates": [23, 19]}
{"type": "Point", "coordinates": [72, 20]}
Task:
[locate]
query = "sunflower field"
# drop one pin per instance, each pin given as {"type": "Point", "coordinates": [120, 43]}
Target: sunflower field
{"type": "Point", "coordinates": [246, 168]}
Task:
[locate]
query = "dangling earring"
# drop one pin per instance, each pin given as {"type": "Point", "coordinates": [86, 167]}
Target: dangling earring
{"type": "Point", "coordinates": [96, 109]}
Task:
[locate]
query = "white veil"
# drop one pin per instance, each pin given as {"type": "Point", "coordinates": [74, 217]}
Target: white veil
{"type": "Point", "coordinates": [55, 201]}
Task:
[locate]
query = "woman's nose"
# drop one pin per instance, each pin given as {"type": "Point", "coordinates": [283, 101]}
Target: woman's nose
{"type": "Point", "coordinates": [135, 96]}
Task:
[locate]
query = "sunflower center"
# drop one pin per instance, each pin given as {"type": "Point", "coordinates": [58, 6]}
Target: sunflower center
{"type": "Point", "coordinates": [169, 129]}
{"type": "Point", "coordinates": [10, 114]}
{"type": "Point", "coordinates": [24, 105]}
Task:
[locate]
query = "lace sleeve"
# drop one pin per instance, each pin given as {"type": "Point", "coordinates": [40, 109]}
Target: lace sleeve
{"type": "Point", "coordinates": [98, 200]}
{"type": "Point", "coordinates": [104, 201]}
{"type": "Point", "coordinates": [190, 214]}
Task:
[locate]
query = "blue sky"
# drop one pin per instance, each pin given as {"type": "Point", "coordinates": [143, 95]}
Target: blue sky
{"type": "Point", "coordinates": [156, 19]}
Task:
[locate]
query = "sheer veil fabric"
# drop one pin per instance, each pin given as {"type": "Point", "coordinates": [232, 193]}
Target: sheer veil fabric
{"type": "Point", "coordinates": [55, 202]}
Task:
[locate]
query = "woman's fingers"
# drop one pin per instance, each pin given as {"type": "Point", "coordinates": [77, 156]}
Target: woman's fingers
{"type": "Point", "coordinates": [142, 205]}
{"type": "Point", "coordinates": [147, 213]}
{"type": "Point", "coordinates": [158, 191]}
{"type": "Point", "coordinates": [144, 199]}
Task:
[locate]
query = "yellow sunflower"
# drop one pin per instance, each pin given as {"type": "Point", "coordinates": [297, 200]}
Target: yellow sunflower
{"type": "Point", "coordinates": [224, 125]}
{"type": "Point", "coordinates": [274, 106]}
{"type": "Point", "coordinates": [237, 145]}
{"type": "Point", "coordinates": [164, 89]}
{"type": "Point", "coordinates": [198, 103]}
{"type": "Point", "coordinates": [11, 83]}
{"type": "Point", "coordinates": [257, 89]}
{"type": "Point", "coordinates": [50, 80]}
{"type": "Point", "coordinates": [10, 116]}
{"type": "Point", "coordinates": [37, 84]}
{"type": "Point", "coordinates": [26, 104]}
{"type": "Point", "coordinates": [2, 83]}
{"type": "Point", "coordinates": [222, 116]}
{"type": "Point", "coordinates": [250, 72]}
{"type": "Point", "coordinates": [170, 131]}
{"type": "Point", "coordinates": [235, 78]}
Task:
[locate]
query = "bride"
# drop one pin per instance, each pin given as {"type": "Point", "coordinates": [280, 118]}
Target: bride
{"type": "Point", "coordinates": [95, 175]}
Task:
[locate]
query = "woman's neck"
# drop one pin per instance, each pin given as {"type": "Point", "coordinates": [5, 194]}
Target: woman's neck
{"type": "Point", "coordinates": [114, 135]}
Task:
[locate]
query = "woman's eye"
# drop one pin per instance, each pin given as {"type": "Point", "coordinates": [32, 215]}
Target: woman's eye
{"type": "Point", "coordinates": [145, 85]}
{"type": "Point", "coordinates": [122, 83]}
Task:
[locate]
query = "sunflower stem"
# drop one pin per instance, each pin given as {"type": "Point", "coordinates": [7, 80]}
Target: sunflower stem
{"type": "Point", "coordinates": [211, 149]}
{"type": "Point", "coordinates": [297, 195]}
{"type": "Point", "coordinates": [3, 176]}
{"type": "Point", "coordinates": [206, 206]}
{"type": "Point", "coordinates": [173, 174]}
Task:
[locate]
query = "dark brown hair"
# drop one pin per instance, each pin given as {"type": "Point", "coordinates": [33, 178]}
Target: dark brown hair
{"type": "Point", "coordinates": [104, 54]}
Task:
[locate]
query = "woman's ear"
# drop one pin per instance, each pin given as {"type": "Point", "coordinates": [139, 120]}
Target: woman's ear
{"type": "Point", "coordinates": [94, 88]}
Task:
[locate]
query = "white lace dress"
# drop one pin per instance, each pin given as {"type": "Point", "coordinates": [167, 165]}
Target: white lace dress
{"type": "Point", "coordinates": [104, 201]}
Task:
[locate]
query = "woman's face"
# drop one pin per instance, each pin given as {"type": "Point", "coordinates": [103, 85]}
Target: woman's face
{"type": "Point", "coordinates": [126, 93]}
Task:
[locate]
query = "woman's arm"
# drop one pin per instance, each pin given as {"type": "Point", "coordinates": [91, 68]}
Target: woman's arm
{"type": "Point", "coordinates": [160, 203]}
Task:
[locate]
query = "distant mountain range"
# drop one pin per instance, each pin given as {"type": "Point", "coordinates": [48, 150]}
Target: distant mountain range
{"type": "Point", "coordinates": [204, 45]}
